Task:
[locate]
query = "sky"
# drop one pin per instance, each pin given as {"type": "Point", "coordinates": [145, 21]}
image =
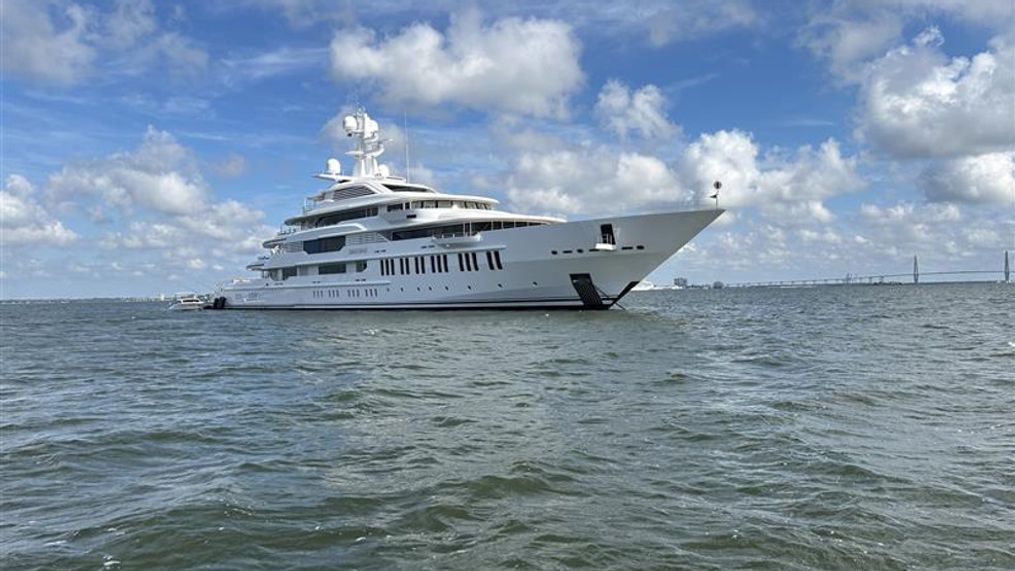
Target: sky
{"type": "Point", "coordinates": [149, 147]}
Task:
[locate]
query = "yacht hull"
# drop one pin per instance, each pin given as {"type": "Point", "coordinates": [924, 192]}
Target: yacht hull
{"type": "Point", "coordinates": [565, 265]}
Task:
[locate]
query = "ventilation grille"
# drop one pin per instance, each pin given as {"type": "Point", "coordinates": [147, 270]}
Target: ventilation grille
{"type": "Point", "coordinates": [365, 238]}
{"type": "Point", "coordinates": [351, 192]}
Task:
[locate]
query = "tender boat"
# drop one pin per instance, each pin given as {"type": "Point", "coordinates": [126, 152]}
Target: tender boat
{"type": "Point", "coordinates": [189, 301]}
{"type": "Point", "coordinates": [371, 240]}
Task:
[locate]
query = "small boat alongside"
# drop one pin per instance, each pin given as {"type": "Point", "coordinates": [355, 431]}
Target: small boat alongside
{"type": "Point", "coordinates": [189, 302]}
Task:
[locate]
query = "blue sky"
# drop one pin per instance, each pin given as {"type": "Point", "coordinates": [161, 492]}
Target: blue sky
{"type": "Point", "coordinates": [149, 147]}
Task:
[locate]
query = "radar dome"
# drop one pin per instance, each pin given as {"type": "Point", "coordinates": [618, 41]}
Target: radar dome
{"type": "Point", "coordinates": [333, 166]}
{"type": "Point", "coordinates": [384, 171]}
{"type": "Point", "coordinates": [349, 124]}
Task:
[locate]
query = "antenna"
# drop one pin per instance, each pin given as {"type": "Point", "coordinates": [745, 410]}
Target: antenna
{"type": "Point", "coordinates": [716, 185]}
{"type": "Point", "coordinates": [405, 129]}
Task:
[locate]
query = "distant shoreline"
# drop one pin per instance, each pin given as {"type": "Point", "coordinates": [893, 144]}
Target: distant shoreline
{"type": "Point", "coordinates": [28, 300]}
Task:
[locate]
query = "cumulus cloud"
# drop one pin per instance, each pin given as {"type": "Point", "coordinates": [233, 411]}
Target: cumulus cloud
{"type": "Point", "coordinates": [590, 181]}
{"type": "Point", "coordinates": [642, 111]}
{"type": "Point", "coordinates": [937, 229]}
{"type": "Point", "coordinates": [61, 42]}
{"type": "Point", "coordinates": [549, 176]}
{"type": "Point", "coordinates": [24, 221]}
{"type": "Point", "coordinates": [161, 175]}
{"type": "Point", "coordinates": [847, 35]}
{"type": "Point", "coordinates": [988, 178]}
{"type": "Point", "coordinates": [172, 210]}
{"type": "Point", "coordinates": [527, 66]}
{"type": "Point", "coordinates": [787, 186]}
{"type": "Point", "coordinates": [46, 44]}
{"type": "Point", "coordinates": [917, 102]}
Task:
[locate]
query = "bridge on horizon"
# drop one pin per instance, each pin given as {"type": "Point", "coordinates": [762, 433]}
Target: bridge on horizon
{"type": "Point", "coordinates": [881, 278]}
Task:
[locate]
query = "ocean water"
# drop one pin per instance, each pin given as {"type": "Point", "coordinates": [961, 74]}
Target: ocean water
{"type": "Point", "coordinates": [826, 428]}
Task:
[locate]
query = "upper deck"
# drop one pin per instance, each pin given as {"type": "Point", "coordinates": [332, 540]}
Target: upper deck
{"type": "Point", "coordinates": [371, 199]}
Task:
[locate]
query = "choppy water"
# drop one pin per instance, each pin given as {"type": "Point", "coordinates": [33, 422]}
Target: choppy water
{"type": "Point", "coordinates": [839, 427]}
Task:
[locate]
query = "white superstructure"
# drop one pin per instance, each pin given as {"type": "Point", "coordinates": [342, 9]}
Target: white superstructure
{"type": "Point", "coordinates": [373, 240]}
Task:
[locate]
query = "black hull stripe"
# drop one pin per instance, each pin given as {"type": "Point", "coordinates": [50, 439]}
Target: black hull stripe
{"type": "Point", "coordinates": [552, 303]}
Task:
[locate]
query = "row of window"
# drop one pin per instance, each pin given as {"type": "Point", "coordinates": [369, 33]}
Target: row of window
{"type": "Point", "coordinates": [349, 293]}
{"type": "Point", "coordinates": [438, 264]}
{"type": "Point", "coordinates": [323, 269]}
{"type": "Point", "coordinates": [337, 217]}
{"type": "Point", "coordinates": [466, 229]}
{"type": "Point", "coordinates": [439, 204]}
{"type": "Point", "coordinates": [332, 219]}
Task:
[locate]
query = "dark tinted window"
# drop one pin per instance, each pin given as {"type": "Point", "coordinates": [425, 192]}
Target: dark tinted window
{"type": "Point", "coordinates": [337, 217]}
{"type": "Point", "coordinates": [324, 245]}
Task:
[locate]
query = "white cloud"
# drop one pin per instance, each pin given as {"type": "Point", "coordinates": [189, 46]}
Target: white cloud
{"type": "Point", "coordinates": [848, 34]}
{"type": "Point", "coordinates": [916, 102]}
{"type": "Point", "coordinates": [981, 178]}
{"type": "Point", "coordinates": [161, 174]}
{"type": "Point", "coordinates": [642, 111]}
{"type": "Point", "coordinates": [129, 22]}
{"type": "Point", "coordinates": [845, 43]}
{"type": "Point", "coordinates": [61, 42]}
{"type": "Point", "coordinates": [172, 211]}
{"type": "Point", "coordinates": [939, 230]}
{"type": "Point", "coordinates": [38, 48]}
{"type": "Point", "coordinates": [785, 186]}
{"type": "Point", "coordinates": [547, 175]}
{"type": "Point", "coordinates": [590, 181]}
{"type": "Point", "coordinates": [279, 61]}
{"type": "Point", "coordinates": [527, 66]}
{"type": "Point", "coordinates": [179, 53]}
{"type": "Point", "coordinates": [24, 221]}
{"type": "Point", "coordinates": [697, 18]}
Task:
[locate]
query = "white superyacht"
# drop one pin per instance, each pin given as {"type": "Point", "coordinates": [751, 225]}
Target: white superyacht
{"type": "Point", "coordinates": [371, 240]}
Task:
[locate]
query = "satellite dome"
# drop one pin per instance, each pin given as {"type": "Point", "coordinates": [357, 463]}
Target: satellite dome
{"type": "Point", "coordinates": [333, 167]}
{"type": "Point", "coordinates": [350, 124]}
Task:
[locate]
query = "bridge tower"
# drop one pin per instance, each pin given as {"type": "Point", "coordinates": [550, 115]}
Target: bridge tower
{"type": "Point", "coordinates": [1007, 268]}
{"type": "Point", "coordinates": [916, 270]}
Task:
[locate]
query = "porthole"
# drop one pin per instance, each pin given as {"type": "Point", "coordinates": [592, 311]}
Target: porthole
{"type": "Point", "coordinates": [640, 247]}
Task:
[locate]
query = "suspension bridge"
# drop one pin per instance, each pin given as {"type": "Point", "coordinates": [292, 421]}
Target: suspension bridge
{"type": "Point", "coordinates": [1004, 274]}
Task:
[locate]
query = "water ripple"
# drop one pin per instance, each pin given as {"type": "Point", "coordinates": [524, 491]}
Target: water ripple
{"type": "Point", "coordinates": [839, 427]}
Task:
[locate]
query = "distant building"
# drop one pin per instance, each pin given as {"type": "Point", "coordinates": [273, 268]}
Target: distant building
{"type": "Point", "coordinates": [718, 285]}
{"type": "Point", "coordinates": [680, 282]}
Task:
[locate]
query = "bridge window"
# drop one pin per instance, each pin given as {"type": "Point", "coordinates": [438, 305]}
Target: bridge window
{"type": "Point", "coordinates": [332, 219]}
{"type": "Point", "coordinates": [322, 245]}
{"type": "Point", "coordinates": [331, 268]}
